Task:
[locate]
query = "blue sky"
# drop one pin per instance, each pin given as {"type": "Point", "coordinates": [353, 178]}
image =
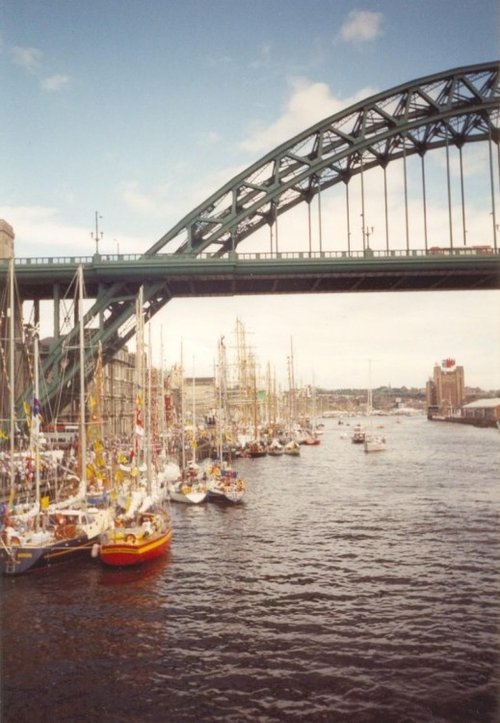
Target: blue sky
{"type": "Point", "coordinates": [142, 109]}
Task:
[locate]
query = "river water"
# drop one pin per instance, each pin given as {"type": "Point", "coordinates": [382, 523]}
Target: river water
{"type": "Point", "coordinates": [347, 587]}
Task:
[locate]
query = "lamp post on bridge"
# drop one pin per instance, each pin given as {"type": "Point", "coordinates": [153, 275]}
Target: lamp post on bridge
{"type": "Point", "coordinates": [96, 236]}
{"type": "Point", "coordinates": [367, 232]}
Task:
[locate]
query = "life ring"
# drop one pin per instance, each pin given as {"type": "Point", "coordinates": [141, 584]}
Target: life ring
{"type": "Point", "coordinates": [130, 538]}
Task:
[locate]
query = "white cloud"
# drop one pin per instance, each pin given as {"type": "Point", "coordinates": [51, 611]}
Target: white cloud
{"type": "Point", "coordinates": [361, 26]}
{"type": "Point", "coordinates": [41, 231]}
{"type": "Point", "coordinates": [307, 104]}
{"type": "Point", "coordinates": [28, 58]}
{"type": "Point", "coordinates": [157, 202]}
{"type": "Point", "coordinates": [55, 82]}
{"type": "Point", "coordinates": [38, 228]}
{"type": "Point", "coordinates": [31, 60]}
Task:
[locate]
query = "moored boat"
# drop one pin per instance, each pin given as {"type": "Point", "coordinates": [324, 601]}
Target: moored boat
{"type": "Point", "coordinates": [135, 541]}
{"type": "Point", "coordinates": [312, 440]}
{"type": "Point", "coordinates": [46, 540]}
{"type": "Point", "coordinates": [292, 448]}
{"type": "Point", "coordinates": [257, 449]}
{"type": "Point", "coordinates": [275, 449]}
{"type": "Point", "coordinates": [190, 491]}
{"type": "Point", "coordinates": [374, 443]}
{"type": "Point", "coordinates": [224, 485]}
{"type": "Point", "coordinates": [358, 434]}
{"type": "Point", "coordinates": [142, 530]}
{"type": "Point", "coordinates": [48, 535]}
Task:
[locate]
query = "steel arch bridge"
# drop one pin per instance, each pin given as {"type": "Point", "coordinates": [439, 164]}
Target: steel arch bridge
{"type": "Point", "coordinates": [450, 108]}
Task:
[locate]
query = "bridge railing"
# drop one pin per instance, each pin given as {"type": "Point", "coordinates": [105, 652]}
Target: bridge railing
{"type": "Point", "coordinates": [434, 251]}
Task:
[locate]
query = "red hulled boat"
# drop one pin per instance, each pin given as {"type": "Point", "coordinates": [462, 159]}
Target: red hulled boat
{"type": "Point", "coordinates": [148, 538]}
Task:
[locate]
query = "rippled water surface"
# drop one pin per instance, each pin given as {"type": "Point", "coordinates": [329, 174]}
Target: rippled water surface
{"type": "Point", "coordinates": [348, 587]}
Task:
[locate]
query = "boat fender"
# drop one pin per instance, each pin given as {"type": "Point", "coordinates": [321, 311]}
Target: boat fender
{"type": "Point", "coordinates": [94, 553]}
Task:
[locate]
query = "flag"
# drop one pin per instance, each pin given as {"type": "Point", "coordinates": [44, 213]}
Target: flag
{"type": "Point", "coordinates": [448, 363]}
{"type": "Point", "coordinates": [27, 413]}
{"type": "Point", "coordinates": [3, 435]}
{"type": "Point", "coordinates": [139, 426]}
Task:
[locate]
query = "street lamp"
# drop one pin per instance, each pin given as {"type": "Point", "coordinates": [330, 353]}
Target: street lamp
{"type": "Point", "coordinates": [369, 231]}
{"type": "Point", "coordinates": [97, 217]}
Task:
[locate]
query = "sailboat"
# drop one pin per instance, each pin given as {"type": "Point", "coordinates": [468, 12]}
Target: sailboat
{"type": "Point", "coordinates": [51, 535]}
{"type": "Point", "coordinates": [141, 531]}
{"type": "Point", "coordinates": [223, 482]}
{"type": "Point", "coordinates": [313, 438]}
{"type": "Point", "coordinates": [372, 442]}
{"type": "Point", "coordinates": [188, 488]}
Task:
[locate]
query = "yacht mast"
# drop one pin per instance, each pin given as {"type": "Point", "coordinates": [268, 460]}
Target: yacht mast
{"type": "Point", "coordinates": [83, 431]}
{"type": "Point", "coordinates": [35, 420]}
{"type": "Point", "coordinates": [183, 432]}
{"type": "Point", "coordinates": [11, 377]}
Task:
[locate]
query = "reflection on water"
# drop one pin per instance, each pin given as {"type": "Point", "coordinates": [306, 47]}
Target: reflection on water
{"type": "Point", "coordinates": [347, 587]}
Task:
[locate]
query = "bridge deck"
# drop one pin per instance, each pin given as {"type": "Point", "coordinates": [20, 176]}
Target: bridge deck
{"type": "Point", "coordinates": [266, 273]}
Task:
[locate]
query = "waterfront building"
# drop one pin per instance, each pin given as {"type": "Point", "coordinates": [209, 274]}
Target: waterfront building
{"type": "Point", "coordinates": [200, 396]}
{"type": "Point", "coordinates": [445, 392]}
{"type": "Point", "coordinates": [483, 412]}
{"type": "Point", "coordinates": [119, 389]}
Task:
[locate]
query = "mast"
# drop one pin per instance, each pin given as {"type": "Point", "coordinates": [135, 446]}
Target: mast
{"type": "Point", "coordinates": [254, 397]}
{"type": "Point", "coordinates": [35, 420]}
{"type": "Point", "coordinates": [183, 433]}
{"type": "Point", "coordinates": [220, 414]}
{"type": "Point", "coordinates": [140, 379]}
{"type": "Point", "coordinates": [148, 435]}
{"type": "Point", "coordinates": [291, 384]}
{"type": "Point", "coordinates": [83, 431]}
{"type": "Point", "coordinates": [162, 394]}
{"type": "Point", "coordinates": [11, 378]}
{"type": "Point", "coordinates": [193, 443]}
{"type": "Point", "coordinates": [369, 399]}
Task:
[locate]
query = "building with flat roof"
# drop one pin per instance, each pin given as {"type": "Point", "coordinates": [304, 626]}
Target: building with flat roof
{"type": "Point", "coordinates": [445, 392]}
{"type": "Point", "coordinates": [483, 412]}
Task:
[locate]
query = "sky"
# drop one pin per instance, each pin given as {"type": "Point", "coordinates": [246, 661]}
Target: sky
{"type": "Point", "coordinates": [138, 111]}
